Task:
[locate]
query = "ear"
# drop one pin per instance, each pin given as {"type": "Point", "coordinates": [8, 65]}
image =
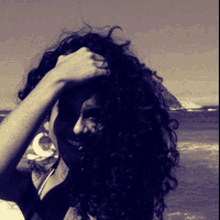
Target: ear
{"type": "Point", "coordinates": [46, 125]}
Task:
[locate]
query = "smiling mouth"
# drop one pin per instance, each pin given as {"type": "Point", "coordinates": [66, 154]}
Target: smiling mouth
{"type": "Point", "coordinates": [75, 144]}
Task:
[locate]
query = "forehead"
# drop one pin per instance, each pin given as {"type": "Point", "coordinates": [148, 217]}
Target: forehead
{"type": "Point", "coordinates": [79, 98]}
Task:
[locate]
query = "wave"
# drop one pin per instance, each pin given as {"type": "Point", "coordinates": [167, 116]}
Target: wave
{"type": "Point", "coordinates": [196, 109]}
{"type": "Point", "coordinates": [184, 216]}
{"type": "Point", "coordinates": [195, 146]}
{"type": "Point", "coordinates": [197, 153]}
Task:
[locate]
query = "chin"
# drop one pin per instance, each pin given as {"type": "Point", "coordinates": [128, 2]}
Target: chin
{"type": "Point", "coordinates": [70, 156]}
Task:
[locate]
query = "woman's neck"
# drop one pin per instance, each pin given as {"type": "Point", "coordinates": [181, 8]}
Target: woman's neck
{"type": "Point", "coordinates": [61, 172]}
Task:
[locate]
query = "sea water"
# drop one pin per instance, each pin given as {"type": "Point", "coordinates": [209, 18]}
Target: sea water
{"type": "Point", "coordinates": [196, 197]}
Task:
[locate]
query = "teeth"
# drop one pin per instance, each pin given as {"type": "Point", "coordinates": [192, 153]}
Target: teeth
{"type": "Point", "coordinates": [73, 142]}
{"type": "Point", "coordinates": [80, 148]}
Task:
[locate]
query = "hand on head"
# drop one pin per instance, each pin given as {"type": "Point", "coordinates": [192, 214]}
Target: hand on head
{"type": "Point", "coordinates": [80, 67]}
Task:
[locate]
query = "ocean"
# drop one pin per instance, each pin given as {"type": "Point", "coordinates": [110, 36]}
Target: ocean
{"type": "Point", "coordinates": [197, 195]}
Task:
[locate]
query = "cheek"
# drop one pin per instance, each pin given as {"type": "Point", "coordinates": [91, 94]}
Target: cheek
{"type": "Point", "coordinates": [90, 125]}
{"type": "Point", "coordinates": [59, 126]}
{"type": "Point", "coordinates": [63, 126]}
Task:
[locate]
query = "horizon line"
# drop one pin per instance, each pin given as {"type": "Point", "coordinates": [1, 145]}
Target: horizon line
{"type": "Point", "coordinates": [9, 110]}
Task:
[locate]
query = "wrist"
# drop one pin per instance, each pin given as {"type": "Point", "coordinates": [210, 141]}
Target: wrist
{"type": "Point", "coordinates": [53, 80]}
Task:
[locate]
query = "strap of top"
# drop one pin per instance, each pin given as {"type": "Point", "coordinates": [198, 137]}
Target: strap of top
{"type": "Point", "coordinates": [42, 185]}
{"type": "Point", "coordinates": [45, 181]}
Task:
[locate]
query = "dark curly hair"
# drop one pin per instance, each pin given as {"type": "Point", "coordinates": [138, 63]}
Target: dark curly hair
{"type": "Point", "coordinates": [134, 170]}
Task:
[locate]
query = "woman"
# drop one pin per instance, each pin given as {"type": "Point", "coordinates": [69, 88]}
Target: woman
{"type": "Point", "coordinates": [107, 118]}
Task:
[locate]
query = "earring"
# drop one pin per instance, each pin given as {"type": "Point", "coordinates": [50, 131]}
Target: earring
{"type": "Point", "coordinates": [43, 148]}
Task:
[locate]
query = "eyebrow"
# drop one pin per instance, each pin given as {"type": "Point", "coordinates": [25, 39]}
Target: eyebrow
{"type": "Point", "coordinates": [91, 109]}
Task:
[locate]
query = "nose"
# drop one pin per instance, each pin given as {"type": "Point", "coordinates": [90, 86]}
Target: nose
{"type": "Point", "coordinates": [79, 127]}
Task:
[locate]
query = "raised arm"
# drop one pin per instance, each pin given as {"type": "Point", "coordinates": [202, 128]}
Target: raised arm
{"type": "Point", "coordinates": [19, 128]}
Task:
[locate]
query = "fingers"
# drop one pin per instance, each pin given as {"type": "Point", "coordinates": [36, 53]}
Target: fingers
{"type": "Point", "coordinates": [100, 72]}
{"type": "Point", "coordinates": [101, 64]}
{"type": "Point", "coordinates": [85, 52]}
{"type": "Point", "coordinates": [97, 57]}
{"type": "Point", "coordinates": [98, 61]}
{"type": "Point", "coordinates": [83, 56]}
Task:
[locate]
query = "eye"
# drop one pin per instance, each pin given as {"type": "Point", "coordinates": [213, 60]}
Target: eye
{"type": "Point", "coordinates": [91, 114]}
{"type": "Point", "coordinates": [93, 119]}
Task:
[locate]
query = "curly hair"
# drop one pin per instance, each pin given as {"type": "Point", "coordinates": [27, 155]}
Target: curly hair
{"type": "Point", "coordinates": [133, 172]}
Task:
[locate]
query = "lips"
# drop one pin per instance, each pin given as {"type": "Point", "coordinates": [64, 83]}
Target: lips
{"type": "Point", "coordinates": [76, 144]}
{"type": "Point", "coordinates": [73, 143]}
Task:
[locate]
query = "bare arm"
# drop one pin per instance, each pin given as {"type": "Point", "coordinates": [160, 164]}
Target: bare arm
{"type": "Point", "coordinates": [18, 129]}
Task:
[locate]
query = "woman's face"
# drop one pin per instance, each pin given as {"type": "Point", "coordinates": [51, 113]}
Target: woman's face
{"type": "Point", "coordinates": [73, 124]}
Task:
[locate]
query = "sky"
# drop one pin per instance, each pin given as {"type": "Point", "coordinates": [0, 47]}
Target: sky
{"type": "Point", "coordinates": [176, 38]}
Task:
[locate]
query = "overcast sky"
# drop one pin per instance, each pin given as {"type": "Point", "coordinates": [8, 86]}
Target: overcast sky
{"type": "Point", "coordinates": [177, 38]}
